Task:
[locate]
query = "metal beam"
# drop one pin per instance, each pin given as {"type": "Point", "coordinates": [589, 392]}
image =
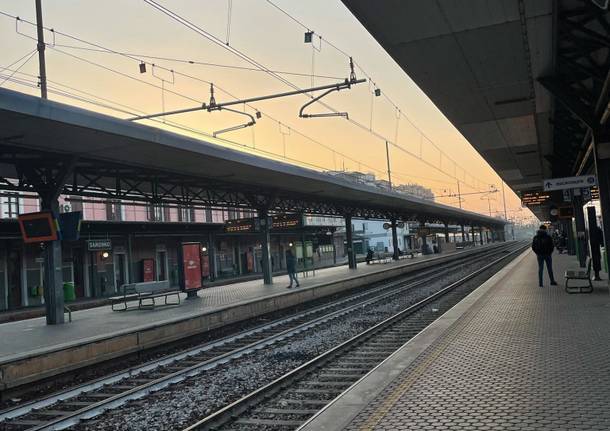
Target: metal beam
{"type": "Point", "coordinates": [575, 106]}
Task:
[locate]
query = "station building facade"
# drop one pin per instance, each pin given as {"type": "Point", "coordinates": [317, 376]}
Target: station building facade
{"type": "Point", "coordinates": [124, 242]}
{"type": "Point", "coordinates": [128, 242]}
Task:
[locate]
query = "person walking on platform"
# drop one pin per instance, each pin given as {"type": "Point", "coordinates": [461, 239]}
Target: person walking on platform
{"type": "Point", "coordinates": [542, 244]}
{"type": "Point", "coordinates": [291, 266]}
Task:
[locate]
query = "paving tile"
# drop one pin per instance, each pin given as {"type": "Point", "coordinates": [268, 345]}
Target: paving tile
{"type": "Point", "coordinates": [521, 358]}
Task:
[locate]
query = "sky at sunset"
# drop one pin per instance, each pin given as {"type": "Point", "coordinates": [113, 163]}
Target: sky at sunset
{"type": "Point", "coordinates": [424, 147]}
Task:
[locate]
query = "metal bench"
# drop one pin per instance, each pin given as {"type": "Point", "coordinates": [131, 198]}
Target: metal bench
{"type": "Point", "coordinates": [145, 294]}
{"type": "Point", "coordinates": [579, 274]}
{"type": "Point", "coordinates": [382, 257]}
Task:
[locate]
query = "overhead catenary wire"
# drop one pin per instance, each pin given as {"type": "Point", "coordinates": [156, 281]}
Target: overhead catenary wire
{"type": "Point", "coordinates": [178, 73]}
{"type": "Point", "coordinates": [185, 22]}
{"type": "Point", "coordinates": [371, 80]}
{"type": "Point", "coordinates": [24, 62]}
{"type": "Point", "coordinates": [103, 49]}
{"type": "Point", "coordinates": [263, 69]}
{"type": "Point", "coordinates": [31, 83]}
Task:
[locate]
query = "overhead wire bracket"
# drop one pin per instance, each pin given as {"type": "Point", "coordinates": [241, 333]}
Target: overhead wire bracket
{"type": "Point", "coordinates": [214, 106]}
{"type": "Point", "coordinates": [346, 84]}
{"type": "Point", "coordinates": [323, 114]}
{"type": "Point", "coordinates": [250, 123]}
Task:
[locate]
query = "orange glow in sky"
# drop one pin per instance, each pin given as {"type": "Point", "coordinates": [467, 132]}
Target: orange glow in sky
{"type": "Point", "coordinates": [93, 78]}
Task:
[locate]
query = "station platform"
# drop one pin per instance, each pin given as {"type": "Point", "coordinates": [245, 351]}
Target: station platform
{"type": "Point", "coordinates": [510, 356]}
{"type": "Point", "coordinates": [31, 350]}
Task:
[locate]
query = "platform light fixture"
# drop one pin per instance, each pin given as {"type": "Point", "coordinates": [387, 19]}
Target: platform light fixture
{"type": "Point", "coordinates": [142, 67]}
{"type": "Point", "coordinates": [204, 249]}
{"type": "Point", "coordinates": [308, 36]}
{"type": "Point", "coordinates": [105, 254]}
{"type": "Point", "coordinates": [377, 92]}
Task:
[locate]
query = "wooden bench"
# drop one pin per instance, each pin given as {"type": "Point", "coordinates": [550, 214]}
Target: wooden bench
{"type": "Point", "coordinates": [579, 274]}
{"type": "Point", "coordinates": [146, 294]}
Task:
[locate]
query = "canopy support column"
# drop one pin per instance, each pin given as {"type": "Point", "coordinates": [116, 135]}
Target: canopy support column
{"type": "Point", "coordinates": [601, 151]}
{"type": "Point", "coordinates": [48, 181]}
{"type": "Point", "coordinates": [581, 239]}
{"type": "Point", "coordinates": [395, 254]}
{"type": "Point", "coordinates": [351, 255]}
{"type": "Point", "coordinates": [265, 237]}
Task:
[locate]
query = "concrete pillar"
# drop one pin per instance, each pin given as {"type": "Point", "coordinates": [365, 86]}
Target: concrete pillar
{"type": "Point", "coordinates": [395, 254]}
{"type": "Point", "coordinates": [53, 276]}
{"type": "Point", "coordinates": [266, 246]}
{"type": "Point", "coordinates": [351, 256]}
{"type": "Point", "coordinates": [581, 240]}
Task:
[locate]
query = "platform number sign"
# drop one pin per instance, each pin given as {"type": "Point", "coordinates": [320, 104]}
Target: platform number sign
{"type": "Point", "coordinates": [569, 183]}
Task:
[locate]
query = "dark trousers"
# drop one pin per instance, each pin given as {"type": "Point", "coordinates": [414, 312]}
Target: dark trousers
{"type": "Point", "coordinates": [549, 266]}
{"type": "Point", "coordinates": [293, 276]}
{"type": "Point", "coordinates": [596, 258]}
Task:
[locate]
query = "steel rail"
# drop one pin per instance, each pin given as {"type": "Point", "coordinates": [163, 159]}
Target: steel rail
{"type": "Point", "coordinates": [389, 290]}
{"type": "Point", "coordinates": [237, 408]}
{"type": "Point", "coordinates": [23, 409]}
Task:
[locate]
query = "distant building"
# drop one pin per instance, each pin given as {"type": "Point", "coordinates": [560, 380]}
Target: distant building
{"type": "Point", "coordinates": [369, 179]}
{"type": "Point", "coordinates": [416, 190]}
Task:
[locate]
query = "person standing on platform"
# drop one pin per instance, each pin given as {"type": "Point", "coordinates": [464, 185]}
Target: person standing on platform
{"type": "Point", "coordinates": [596, 237]}
{"type": "Point", "coordinates": [291, 266]}
{"type": "Point", "coordinates": [542, 244]}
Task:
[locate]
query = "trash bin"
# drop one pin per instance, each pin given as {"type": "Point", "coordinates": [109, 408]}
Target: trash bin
{"type": "Point", "coordinates": [69, 292]}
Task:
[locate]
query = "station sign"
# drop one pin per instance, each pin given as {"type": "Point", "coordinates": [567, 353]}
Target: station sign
{"type": "Point", "coordinates": [595, 193]}
{"type": "Point", "coordinates": [99, 244]}
{"type": "Point", "coordinates": [534, 198]}
{"type": "Point", "coordinates": [287, 221]}
{"type": "Point", "coordinates": [569, 182]}
{"type": "Point", "coordinates": [279, 222]}
{"type": "Point", "coordinates": [241, 225]}
{"type": "Point", "coordinates": [38, 227]}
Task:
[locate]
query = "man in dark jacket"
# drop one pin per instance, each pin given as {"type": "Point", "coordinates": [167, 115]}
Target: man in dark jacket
{"type": "Point", "coordinates": [291, 266]}
{"type": "Point", "coordinates": [542, 244]}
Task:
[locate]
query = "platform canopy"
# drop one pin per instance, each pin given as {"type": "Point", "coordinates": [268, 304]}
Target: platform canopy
{"type": "Point", "coordinates": [111, 158]}
{"type": "Point", "coordinates": [522, 80]}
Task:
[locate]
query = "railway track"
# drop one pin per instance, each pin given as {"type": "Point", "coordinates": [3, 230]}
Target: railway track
{"type": "Point", "coordinates": [289, 401]}
{"type": "Point", "coordinates": [67, 408]}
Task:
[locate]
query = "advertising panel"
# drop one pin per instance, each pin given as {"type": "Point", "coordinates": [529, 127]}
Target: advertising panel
{"type": "Point", "coordinates": [191, 266]}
